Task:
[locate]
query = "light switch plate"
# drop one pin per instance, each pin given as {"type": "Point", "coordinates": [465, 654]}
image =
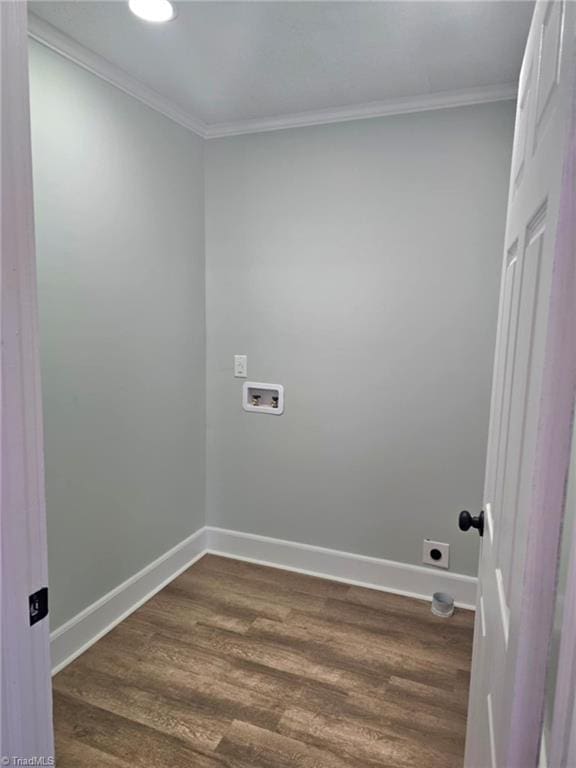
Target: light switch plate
{"type": "Point", "coordinates": [240, 366]}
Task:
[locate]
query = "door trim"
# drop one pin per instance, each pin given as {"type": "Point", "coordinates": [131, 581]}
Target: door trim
{"type": "Point", "coordinates": [26, 716]}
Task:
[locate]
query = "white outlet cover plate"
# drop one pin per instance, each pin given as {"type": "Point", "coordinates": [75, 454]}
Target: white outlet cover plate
{"type": "Point", "coordinates": [442, 547]}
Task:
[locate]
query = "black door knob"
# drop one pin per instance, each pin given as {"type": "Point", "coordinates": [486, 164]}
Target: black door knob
{"type": "Point", "coordinates": [466, 521]}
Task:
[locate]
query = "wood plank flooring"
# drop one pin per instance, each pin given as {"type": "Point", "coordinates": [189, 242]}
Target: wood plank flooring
{"type": "Point", "coordinates": [240, 666]}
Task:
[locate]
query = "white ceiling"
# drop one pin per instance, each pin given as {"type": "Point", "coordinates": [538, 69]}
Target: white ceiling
{"type": "Point", "coordinates": [230, 62]}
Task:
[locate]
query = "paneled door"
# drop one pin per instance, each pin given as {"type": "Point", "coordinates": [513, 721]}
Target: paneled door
{"type": "Point", "coordinates": [543, 123]}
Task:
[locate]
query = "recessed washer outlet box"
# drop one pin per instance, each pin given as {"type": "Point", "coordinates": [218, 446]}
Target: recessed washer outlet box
{"type": "Point", "coordinates": [436, 553]}
{"type": "Point", "coordinates": [258, 397]}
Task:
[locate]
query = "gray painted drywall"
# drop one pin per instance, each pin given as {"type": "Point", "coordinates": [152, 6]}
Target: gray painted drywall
{"type": "Point", "coordinates": [120, 242]}
{"type": "Point", "coordinates": [358, 265]}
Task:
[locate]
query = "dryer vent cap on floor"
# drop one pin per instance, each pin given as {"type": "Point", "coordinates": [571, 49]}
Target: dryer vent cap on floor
{"type": "Point", "coordinates": [442, 604]}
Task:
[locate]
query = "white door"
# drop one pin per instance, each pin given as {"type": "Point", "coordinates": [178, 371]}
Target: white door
{"type": "Point", "coordinates": [25, 695]}
{"type": "Point", "coordinates": [543, 120]}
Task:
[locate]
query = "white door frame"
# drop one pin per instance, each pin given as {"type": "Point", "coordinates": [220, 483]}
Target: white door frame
{"type": "Point", "coordinates": [26, 706]}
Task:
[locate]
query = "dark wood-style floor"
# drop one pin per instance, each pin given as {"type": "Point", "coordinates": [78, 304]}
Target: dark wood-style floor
{"type": "Point", "coordinates": [244, 666]}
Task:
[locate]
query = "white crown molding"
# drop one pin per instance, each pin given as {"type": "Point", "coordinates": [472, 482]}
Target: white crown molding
{"type": "Point", "coordinates": [425, 103]}
{"type": "Point", "coordinates": [52, 38]}
{"type": "Point", "coordinates": [57, 41]}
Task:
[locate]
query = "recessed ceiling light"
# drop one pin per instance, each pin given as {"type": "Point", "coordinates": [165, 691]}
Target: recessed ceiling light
{"type": "Point", "coordinates": [152, 10]}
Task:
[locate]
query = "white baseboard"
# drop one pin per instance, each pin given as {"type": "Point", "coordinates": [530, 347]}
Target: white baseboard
{"type": "Point", "coordinates": [361, 570]}
{"type": "Point", "coordinates": [77, 635]}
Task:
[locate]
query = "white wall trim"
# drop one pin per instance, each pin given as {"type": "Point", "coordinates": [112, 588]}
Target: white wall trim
{"type": "Point", "coordinates": [25, 690]}
{"type": "Point", "coordinates": [361, 570]}
{"type": "Point", "coordinates": [57, 41]}
{"type": "Point", "coordinates": [83, 630]}
{"type": "Point", "coordinates": [424, 103]}
{"type": "Point", "coordinates": [52, 38]}
{"type": "Point", "coordinates": [77, 635]}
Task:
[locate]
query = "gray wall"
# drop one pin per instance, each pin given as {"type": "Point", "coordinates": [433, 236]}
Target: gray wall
{"type": "Point", "coordinates": [358, 265]}
{"type": "Point", "coordinates": [120, 232]}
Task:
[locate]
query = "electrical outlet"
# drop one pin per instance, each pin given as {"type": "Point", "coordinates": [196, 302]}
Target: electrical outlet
{"type": "Point", "coordinates": [436, 553]}
{"type": "Point", "coordinates": [240, 366]}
